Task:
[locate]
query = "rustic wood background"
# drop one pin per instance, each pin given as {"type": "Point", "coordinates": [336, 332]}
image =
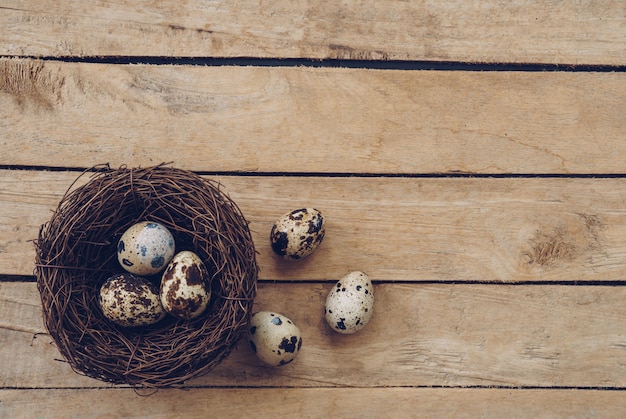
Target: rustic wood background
{"type": "Point", "coordinates": [469, 156]}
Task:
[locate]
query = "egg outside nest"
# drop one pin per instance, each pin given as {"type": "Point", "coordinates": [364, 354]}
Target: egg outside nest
{"type": "Point", "coordinates": [350, 303]}
{"type": "Point", "coordinates": [298, 233]}
{"type": "Point", "coordinates": [274, 338]}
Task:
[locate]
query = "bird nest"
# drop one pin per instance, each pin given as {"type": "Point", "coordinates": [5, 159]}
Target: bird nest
{"type": "Point", "coordinates": [76, 252]}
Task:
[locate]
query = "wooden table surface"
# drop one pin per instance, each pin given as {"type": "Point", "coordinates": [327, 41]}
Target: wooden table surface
{"type": "Point", "coordinates": [468, 156]}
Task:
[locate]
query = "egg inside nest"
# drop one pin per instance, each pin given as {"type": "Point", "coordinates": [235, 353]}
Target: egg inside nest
{"type": "Point", "coordinates": [145, 248]}
{"type": "Point", "coordinates": [130, 300]}
{"type": "Point", "coordinates": [185, 286]}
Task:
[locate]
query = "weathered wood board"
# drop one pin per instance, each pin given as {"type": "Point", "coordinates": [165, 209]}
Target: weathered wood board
{"type": "Point", "coordinates": [301, 119]}
{"type": "Point", "coordinates": [522, 31]}
{"type": "Point", "coordinates": [371, 403]}
{"type": "Point", "coordinates": [409, 229]}
{"type": "Point", "coordinates": [421, 335]}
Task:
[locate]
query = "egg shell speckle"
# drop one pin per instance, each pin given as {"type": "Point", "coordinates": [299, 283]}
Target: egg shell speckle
{"type": "Point", "coordinates": [274, 338]}
{"type": "Point", "coordinates": [185, 286]}
{"type": "Point", "coordinates": [145, 248]}
{"type": "Point", "coordinates": [131, 300]}
{"type": "Point", "coordinates": [350, 304]}
{"type": "Point", "coordinates": [298, 233]}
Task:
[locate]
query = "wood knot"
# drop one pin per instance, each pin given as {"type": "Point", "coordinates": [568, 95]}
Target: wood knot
{"type": "Point", "coordinates": [28, 81]}
{"type": "Point", "coordinates": [564, 242]}
{"type": "Point", "coordinates": [547, 248]}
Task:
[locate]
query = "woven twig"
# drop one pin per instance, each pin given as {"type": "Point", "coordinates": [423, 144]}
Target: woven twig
{"type": "Point", "coordinates": [76, 253]}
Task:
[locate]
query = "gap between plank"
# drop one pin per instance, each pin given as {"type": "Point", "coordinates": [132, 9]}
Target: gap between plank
{"type": "Point", "coordinates": [333, 63]}
{"type": "Point", "coordinates": [586, 283]}
{"type": "Point", "coordinates": [192, 387]}
{"type": "Point", "coordinates": [453, 174]}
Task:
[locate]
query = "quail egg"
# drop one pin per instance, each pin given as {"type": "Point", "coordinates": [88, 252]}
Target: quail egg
{"type": "Point", "coordinates": [274, 338]}
{"type": "Point", "coordinates": [145, 248]}
{"type": "Point", "coordinates": [130, 300]}
{"type": "Point", "coordinates": [349, 305]}
{"type": "Point", "coordinates": [298, 233]}
{"type": "Point", "coordinates": [185, 286]}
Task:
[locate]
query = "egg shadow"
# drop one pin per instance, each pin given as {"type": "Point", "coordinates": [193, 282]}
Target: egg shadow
{"type": "Point", "coordinates": [291, 269]}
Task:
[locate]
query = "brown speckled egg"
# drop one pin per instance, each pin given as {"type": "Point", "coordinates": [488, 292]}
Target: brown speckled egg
{"type": "Point", "coordinates": [130, 300]}
{"type": "Point", "coordinates": [350, 304]}
{"type": "Point", "coordinates": [298, 233]}
{"type": "Point", "coordinates": [274, 338]}
{"type": "Point", "coordinates": [145, 248]}
{"type": "Point", "coordinates": [185, 286]}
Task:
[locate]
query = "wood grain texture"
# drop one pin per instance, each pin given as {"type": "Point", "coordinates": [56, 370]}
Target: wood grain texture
{"type": "Point", "coordinates": [412, 229]}
{"type": "Point", "coordinates": [311, 119]}
{"type": "Point", "coordinates": [360, 403]}
{"type": "Point", "coordinates": [420, 336]}
{"type": "Point", "coordinates": [495, 297]}
{"type": "Point", "coordinates": [489, 31]}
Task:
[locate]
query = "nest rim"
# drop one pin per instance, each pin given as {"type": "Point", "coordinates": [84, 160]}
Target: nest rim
{"type": "Point", "coordinates": [76, 253]}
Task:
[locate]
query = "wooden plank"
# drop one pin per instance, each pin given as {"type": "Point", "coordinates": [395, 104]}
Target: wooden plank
{"type": "Point", "coordinates": [420, 336]}
{"type": "Point", "coordinates": [412, 229]}
{"type": "Point", "coordinates": [323, 119]}
{"type": "Point", "coordinates": [314, 403]}
{"type": "Point", "coordinates": [526, 31]}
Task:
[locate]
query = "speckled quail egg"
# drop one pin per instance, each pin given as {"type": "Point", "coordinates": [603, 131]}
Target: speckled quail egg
{"type": "Point", "coordinates": [185, 286]}
{"type": "Point", "coordinates": [298, 233]}
{"type": "Point", "coordinates": [349, 305]}
{"type": "Point", "coordinates": [131, 300]}
{"type": "Point", "coordinates": [145, 248]}
{"type": "Point", "coordinates": [274, 338]}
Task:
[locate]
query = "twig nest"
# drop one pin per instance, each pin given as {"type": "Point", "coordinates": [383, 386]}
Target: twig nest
{"type": "Point", "coordinates": [76, 252]}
